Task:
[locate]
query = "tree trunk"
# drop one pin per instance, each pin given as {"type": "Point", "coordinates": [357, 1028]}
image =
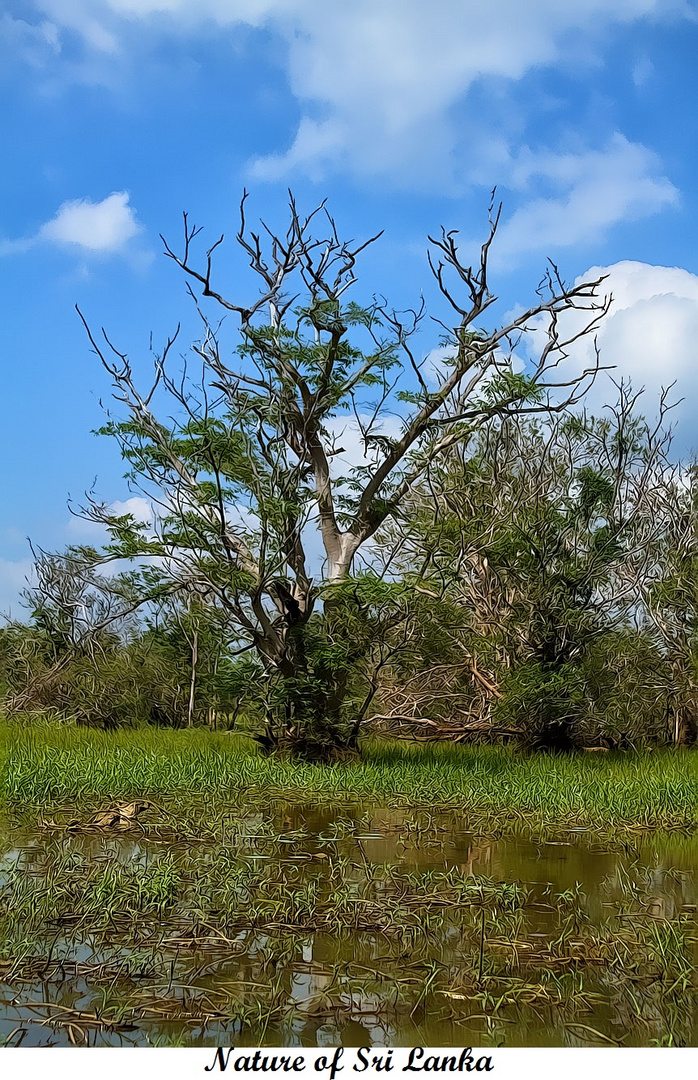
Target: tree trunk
{"type": "Point", "coordinates": [306, 719]}
{"type": "Point", "coordinates": [192, 686]}
{"type": "Point", "coordinates": [685, 726]}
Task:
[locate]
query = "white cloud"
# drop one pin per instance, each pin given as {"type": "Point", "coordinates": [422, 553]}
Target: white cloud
{"type": "Point", "coordinates": [346, 433]}
{"type": "Point", "coordinates": [649, 336]}
{"type": "Point", "coordinates": [378, 80]}
{"type": "Point", "coordinates": [139, 508]}
{"type": "Point", "coordinates": [436, 364]}
{"type": "Point", "coordinates": [85, 17]}
{"type": "Point", "coordinates": [83, 531]}
{"type": "Point", "coordinates": [592, 190]}
{"type": "Point", "coordinates": [34, 44]}
{"type": "Point", "coordinates": [314, 149]}
{"type": "Point", "coordinates": [102, 228]}
{"type": "Point", "coordinates": [106, 226]}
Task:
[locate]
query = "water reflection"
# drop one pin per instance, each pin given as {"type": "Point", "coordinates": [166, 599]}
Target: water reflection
{"type": "Point", "coordinates": [368, 943]}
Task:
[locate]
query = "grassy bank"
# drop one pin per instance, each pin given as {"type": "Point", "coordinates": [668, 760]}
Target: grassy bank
{"type": "Point", "coordinates": [495, 786]}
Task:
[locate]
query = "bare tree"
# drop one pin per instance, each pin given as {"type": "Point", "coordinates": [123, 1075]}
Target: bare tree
{"type": "Point", "coordinates": [244, 472]}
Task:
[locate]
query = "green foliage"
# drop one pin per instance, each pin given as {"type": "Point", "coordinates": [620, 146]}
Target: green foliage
{"type": "Point", "coordinates": [138, 677]}
{"type": "Point", "coordinates": [507, 387]}
{"type": "Point", "coordinates": [530, 549]}
{"type": "Point", "coordinates": [323, 701]}
{"type": "Point", "coordinates": [528, 556]}
{"type": "Point", "coordinates": [508, 602]}
{"type": "Point", "coordinates": [244, 466]}
{"type": "Point", "coordinates": [549, 704]}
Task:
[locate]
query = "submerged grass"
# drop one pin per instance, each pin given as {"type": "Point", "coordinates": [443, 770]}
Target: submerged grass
{"type": "Point", "coordinates": [272, 902]}
{"type": "Point", "coordinates": [200, 944]}
{"type": "Point", "coordinates": [657, 790]}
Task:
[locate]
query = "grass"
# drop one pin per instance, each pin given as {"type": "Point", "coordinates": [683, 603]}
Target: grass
{"type": "Point", "coordinates": [262, 901]}
{"type": "Point", "coordinates": [503, 789]}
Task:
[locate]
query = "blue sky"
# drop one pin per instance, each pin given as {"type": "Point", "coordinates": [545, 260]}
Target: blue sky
{"type": "Point", "coordinates": [119, 114]}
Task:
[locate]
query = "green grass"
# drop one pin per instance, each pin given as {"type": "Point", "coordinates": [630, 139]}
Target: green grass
{"type": "Point", "coordinates": [201, 917]}
{"type": "Point", "coordinates": [486, 785]}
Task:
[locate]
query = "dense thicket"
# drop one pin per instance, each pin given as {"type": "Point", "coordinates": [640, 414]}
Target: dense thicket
{"type": "Point", "coordinates": [554, 564]}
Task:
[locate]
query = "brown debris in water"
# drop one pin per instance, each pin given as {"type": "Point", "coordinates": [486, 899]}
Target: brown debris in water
{"type": "Point", "coordinates": [113, 818]}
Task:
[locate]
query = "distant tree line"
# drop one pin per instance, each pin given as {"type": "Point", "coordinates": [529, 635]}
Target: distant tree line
{"type": "Point", "coordinates": [505, 567]}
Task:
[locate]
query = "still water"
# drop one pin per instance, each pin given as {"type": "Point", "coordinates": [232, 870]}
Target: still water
{"type": "Point", "coordinates": [293, 925]}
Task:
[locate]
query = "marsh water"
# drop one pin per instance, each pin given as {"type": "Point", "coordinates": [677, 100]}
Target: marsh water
{"type": "Point", "coordinates": [298, 925]}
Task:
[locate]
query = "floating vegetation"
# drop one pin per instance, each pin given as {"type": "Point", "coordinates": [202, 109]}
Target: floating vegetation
{"type": "Point", "coordinates": [175, 889]}
{"type": "Point", "coordinates": [310, 925]}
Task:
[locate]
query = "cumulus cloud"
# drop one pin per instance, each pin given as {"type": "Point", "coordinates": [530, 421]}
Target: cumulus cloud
{"type": "Point", "coordinates": [389, 89]}
{"type": "Point", "coordinates": [106, 226]}
{"type": "Point", "coordinates": [649, 336]}
{"type": "Point", "coordinates": [378, 83]}
{"type": "Point", "coordinates": [102, 228]}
